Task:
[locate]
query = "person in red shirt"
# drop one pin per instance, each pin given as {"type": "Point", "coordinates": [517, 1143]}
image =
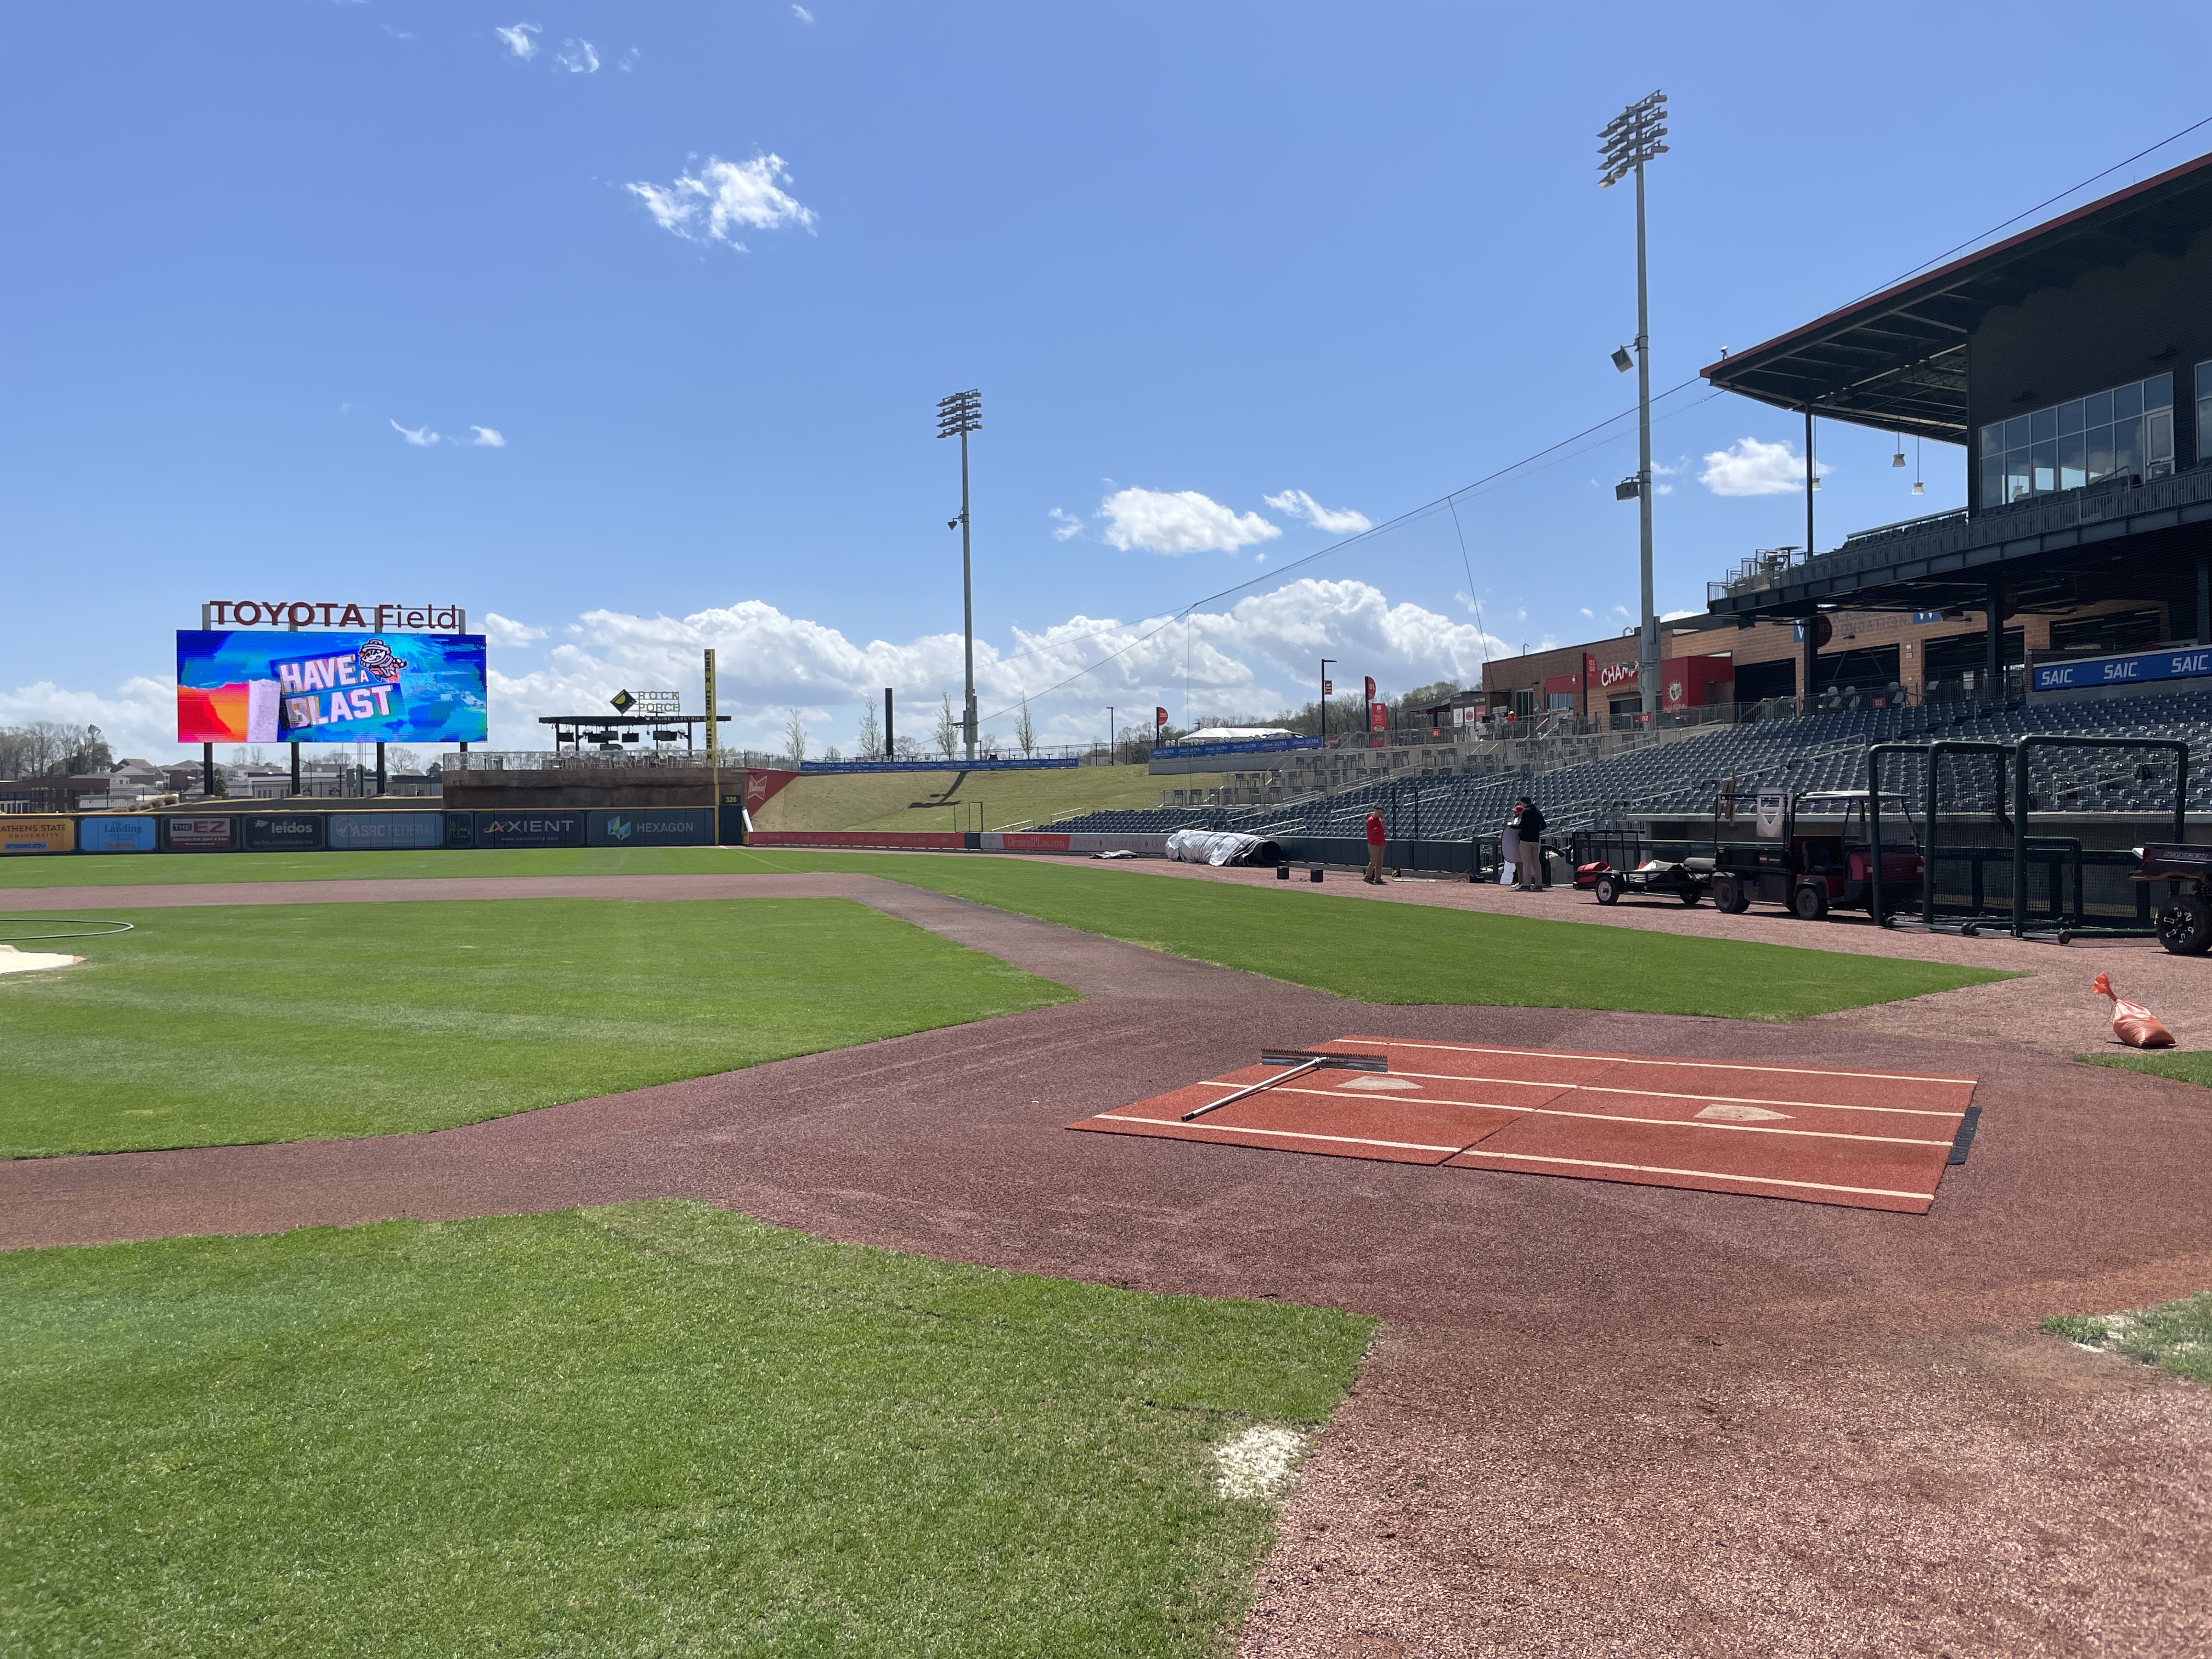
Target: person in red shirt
{"type": "Point", "coordinates": [1375, 849]}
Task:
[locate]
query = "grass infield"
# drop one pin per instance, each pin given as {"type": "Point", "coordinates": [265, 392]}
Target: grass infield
{"type": "Point", "coordinates": [655, 1428]}
{"type": "Point", "coordinates": [1409, 954]}
{"type": "Point", "coordinates": [2192, 1066]}
{"type": "Point", "coordinates": [2174, 1336]}
{"type": "Point", "coordinates": [232, 1024]}
{"type": "Point", "coordinates": [1394, 953]}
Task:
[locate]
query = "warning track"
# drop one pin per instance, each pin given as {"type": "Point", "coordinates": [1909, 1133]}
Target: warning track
{"type": "Point", "coordinates": [1601, 1416]}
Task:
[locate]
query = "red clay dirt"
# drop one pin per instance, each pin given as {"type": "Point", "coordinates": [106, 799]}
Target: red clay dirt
{"type": "Point", "coordinates": [1601, 1419]}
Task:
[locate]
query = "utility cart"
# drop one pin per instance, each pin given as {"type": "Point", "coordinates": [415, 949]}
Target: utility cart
{"type": "Point", "coordinates": [1687, 880]}
{"type": "Point", "coordinates": [1814, 853]}
{"type": "Point", "coordinates": [2184, 920]}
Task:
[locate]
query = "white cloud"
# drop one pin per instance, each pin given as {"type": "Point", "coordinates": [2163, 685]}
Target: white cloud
{"type": "Point", "coordinates": [577, 58]}
{"type": "Point", "coordinates": [488, 437]}
{"type": "Point", "coordinates": [1065, 526]}
{"type": "Point", "coordinates": [1179, 521]}
{"type": "Point", "coordinates": [629, 60]}
{"type": "Point", "coordinates": [1592, 615]}
{"type": "Point", "coordinates": [1299, 505]}
{"type": "Point", "coordinates": [802, 14]}
{"type": "Point", "coordinates": [508, 632]}
{"type": "Point", "coordinates": [138, 718]}
{"type": "Point", "coordinates": [723, 198]}
{"type": "Point", "coordinates": [518, 39]}
{"type": "Point", "coordinates": [421, 436]}
{"type": "Point", "coordinates": [1748, 467]}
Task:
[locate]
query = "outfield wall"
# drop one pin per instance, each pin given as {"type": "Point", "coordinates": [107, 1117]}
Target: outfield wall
{"type": "Point", "coordinates": [78, 835]}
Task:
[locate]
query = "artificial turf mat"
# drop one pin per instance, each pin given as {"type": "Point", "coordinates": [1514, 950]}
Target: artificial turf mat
{"type": "Point", "coordinates": [651, 1429]}
{"type": "Point", "coordinates": [232, 1024]}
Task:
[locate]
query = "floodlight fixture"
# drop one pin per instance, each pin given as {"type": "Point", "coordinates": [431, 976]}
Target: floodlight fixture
{"type": "Point", "coordinates": [1621, 360]}
{"type": "Point", "coordinates": [1632, 138]}
{"type": "Point", "coordinates": [1628, 490]}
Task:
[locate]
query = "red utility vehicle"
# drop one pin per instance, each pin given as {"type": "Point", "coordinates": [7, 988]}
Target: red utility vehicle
{"type": "Point", "coordinates": [1813, 855]}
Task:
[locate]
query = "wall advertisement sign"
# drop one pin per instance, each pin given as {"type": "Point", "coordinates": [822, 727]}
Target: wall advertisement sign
{"type": "Point", "coordinates": [353, 830]}
{"type": "Point", "coordinates": [37, 834]}
{"type": "Point", "coordinates": [650, 826]}
{"type": "Point", "coordinates": [133, 835]}
{"type": "Point", "coordinates": [543, 829]}
{"type": "Point", "coordinates": [283, 832]}
{"type": "Point", "coordinates": [197, 835]}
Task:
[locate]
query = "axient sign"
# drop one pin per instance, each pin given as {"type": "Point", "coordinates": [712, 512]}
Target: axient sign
{"type": "Point", "coordinates": [320, 613]}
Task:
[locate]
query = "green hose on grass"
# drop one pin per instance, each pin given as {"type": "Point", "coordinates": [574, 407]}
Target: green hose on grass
{"type": "Point", "coordinates": [84, 927]}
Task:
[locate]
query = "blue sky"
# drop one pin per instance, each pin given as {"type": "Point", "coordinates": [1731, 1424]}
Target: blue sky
{"type": "Point", "coordinates": [1195, 256]}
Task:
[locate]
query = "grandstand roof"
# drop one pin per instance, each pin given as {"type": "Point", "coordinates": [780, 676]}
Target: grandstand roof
{"type": "Point", "coordinates": [1897, 359]}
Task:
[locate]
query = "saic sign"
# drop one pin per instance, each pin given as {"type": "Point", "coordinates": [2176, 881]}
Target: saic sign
{"type": "Point", "coordinates": [2132, 669]}
{"type": "Point", "coordinates": [316, 613]}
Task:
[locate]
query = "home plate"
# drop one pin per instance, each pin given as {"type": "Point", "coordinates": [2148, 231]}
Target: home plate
{"type": "Point", "coordinates": [1876, 1140]}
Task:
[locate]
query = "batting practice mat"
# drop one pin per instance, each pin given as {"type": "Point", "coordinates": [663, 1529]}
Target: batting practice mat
{"type": "Point", "coordinates": [1873, 1140]}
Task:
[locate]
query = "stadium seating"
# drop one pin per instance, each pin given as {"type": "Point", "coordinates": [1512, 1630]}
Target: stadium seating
{"type": "Point", "coordinates": [1824, 751]}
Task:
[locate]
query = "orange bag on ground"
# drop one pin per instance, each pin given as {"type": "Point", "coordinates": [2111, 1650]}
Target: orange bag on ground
{"type": "Point", "coordinates": [2132, 1023]}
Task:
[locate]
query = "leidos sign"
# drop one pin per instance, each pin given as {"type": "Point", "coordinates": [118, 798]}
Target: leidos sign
{"type": "Point", "coordinates": [318, 613]}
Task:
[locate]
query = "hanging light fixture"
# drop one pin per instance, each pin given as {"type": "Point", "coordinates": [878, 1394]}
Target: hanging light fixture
{"type": "Point", "coordinates": [1898, 459]}
{"type": "Point", "coordinates": [1918, 486]}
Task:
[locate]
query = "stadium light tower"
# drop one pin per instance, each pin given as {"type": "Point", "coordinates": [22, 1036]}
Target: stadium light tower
{"type": "Point", "coordinates": [1630, 139]}
{"type": "Point", "coordinates": [961, 413]}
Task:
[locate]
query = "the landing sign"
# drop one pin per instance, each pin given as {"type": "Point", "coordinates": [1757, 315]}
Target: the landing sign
{"type": "Point", "coordinates": [254, 686]}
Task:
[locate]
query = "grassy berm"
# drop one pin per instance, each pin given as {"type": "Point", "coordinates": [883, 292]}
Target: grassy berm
{"type": "Point", "coordinates": [653, 1429]}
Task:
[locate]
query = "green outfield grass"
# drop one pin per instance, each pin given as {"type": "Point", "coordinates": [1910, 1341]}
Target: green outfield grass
{"type": "Point", "coordinates": [952, 800]}
{"type": "Point", "coordinates": [174, 869]}
{"type": "Point", "coordinates": [1410, 953]}
{"type": "Point", "coordinates": [1336, 942]}
{"type": "Point", "coordinates": [221, 1024]}
{"type": "Point", "coordinates": [653, 1429]}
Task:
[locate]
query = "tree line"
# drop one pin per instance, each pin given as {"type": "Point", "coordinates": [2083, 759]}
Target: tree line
{"type": "Point", "coordinates": [46, 749]}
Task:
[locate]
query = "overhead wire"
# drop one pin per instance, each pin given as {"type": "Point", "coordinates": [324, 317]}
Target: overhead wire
{"type": "Point", "coordinates": [1411, 515]}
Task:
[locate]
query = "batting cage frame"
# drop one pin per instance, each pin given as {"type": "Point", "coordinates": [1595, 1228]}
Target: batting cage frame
{"type": "Point", "coordinates": [2062, 856]}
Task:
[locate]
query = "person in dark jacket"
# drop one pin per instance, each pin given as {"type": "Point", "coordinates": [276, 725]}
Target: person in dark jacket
{"type": "Point", "coordinates": [1375, 849]}
{"type": "Point", "coordinates": [1532, 848]}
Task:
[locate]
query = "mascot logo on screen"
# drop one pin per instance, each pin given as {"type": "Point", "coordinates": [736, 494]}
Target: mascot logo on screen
{"type": "Point", "coordinates": [359, 685]}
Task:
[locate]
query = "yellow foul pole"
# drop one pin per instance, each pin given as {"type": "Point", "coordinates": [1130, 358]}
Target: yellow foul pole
{"type": "Point", "coordinates": [713, 752]}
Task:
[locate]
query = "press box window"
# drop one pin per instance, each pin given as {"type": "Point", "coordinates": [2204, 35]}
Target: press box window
{"type": "Point", "coordinates": [2128, 429]}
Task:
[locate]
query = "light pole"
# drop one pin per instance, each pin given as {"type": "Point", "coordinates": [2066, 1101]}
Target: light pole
{"type": "Point", "coordinates": [1630, 139]}
{"type": "Point", "coordinates": [1110, 734]}
{"type": "Point", "coordinates": [1325, 662]}
{"type": "Point", "coordinates": [963, 413]}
